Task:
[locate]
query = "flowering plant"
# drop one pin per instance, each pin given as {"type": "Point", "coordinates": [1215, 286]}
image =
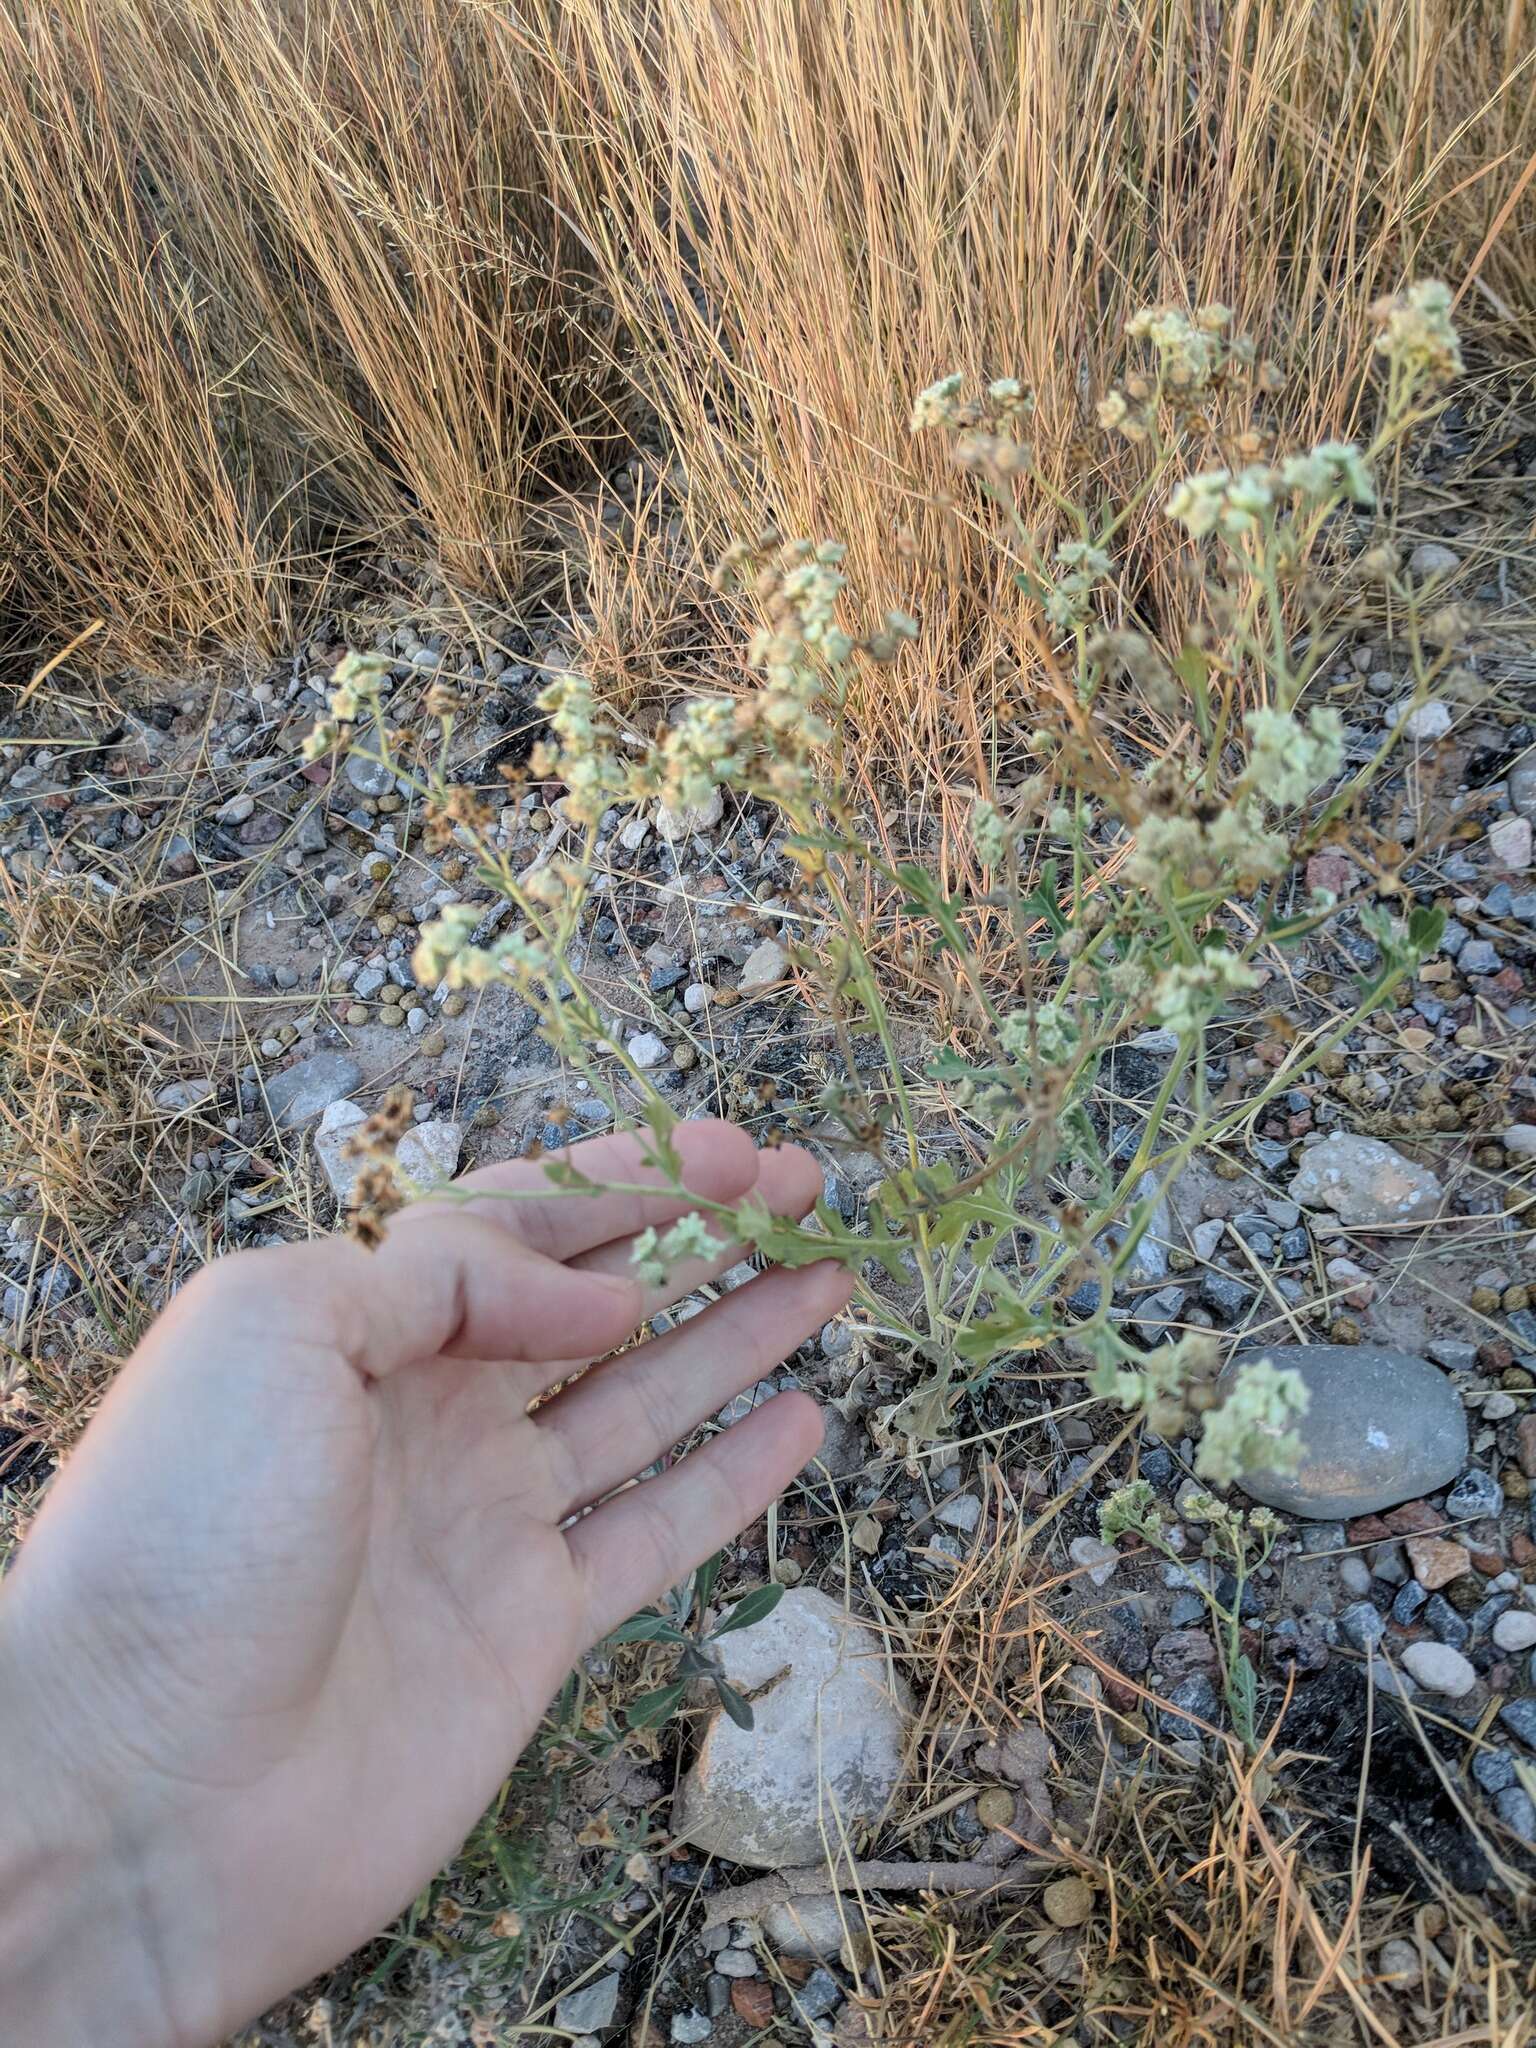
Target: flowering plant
{"type": "Point", "coordinates": [1120, 891]}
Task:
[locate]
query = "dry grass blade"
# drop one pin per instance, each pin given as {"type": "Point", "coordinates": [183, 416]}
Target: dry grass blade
{"type": "Point", "coordinates": [806, 217]}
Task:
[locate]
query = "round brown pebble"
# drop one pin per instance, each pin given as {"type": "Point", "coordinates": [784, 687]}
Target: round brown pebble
{"type": "Point", "coordinates": [357, 1013]}
{"type": "Point", "coordinates": [453, 1006]}
{"type": "Point", "coordinates": [390, 803]}
{"type": "Point", "coordinates": [391, 1015]}
{"type": "Point", "coordinates": [684, 1057]}
{"type": "Point", "coordinates": [1484, 1301]}
{"type": "Point", "coordinates": [1490, 1157]}
{"type": "Point", "coordinates": [433, 1043]}
{"type": "Point", "coordinates": [1344, 1330]}
{"type": "Point", "coordinates": [1067, 1902]}
{"type": "Point", "coordinates": [1515, 1299]}
{"type": "Point", "coordinates": [539, 821]}
{"type": "Point", "coordinates": [385, 923]}
{"type": "Point", "coordinates": [994, 1808]}
{"type": "Point", "coordinates": [486, 1117]}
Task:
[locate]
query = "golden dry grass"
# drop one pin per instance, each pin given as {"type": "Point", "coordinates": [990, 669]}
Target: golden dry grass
{"type": "Point", "coordinates": [283, 281]}
{"type": "Point", "coordinates": [806, 215]}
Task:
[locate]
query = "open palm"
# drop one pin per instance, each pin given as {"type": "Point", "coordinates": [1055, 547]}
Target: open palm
{"type": "Point", "coordinates": [301, 1596]}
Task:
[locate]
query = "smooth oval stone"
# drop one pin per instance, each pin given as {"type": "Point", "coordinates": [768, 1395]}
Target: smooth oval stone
{"type": "Point", "coordinates": [1381, 1427]}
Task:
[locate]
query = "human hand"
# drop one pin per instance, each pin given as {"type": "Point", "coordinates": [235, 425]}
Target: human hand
{"type": "Point", "coordinates": [295, 1604]}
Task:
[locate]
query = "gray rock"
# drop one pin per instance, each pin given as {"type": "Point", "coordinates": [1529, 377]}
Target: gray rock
{"type": "Point", "coordinates": [1196, 1696]}
{"type": "Point", "coordinates": [1362, 1626]}
{"type": "Point", "coordinates": [689, 2028]}
{"type": "Point", "coordinates": [1381, 1427]}
{"type": "Point", "coordinates": [309, 836]}
{"type": "Point", "coordinates": [591, 2007]}
{"type": "Point", "coordinates": [818, 1995]}
{"type": "Point", "coordinates": [367, 982]}
{"type": "Point", "coordinates": [1449, 1626]}
{"type": "Point", "coordinates": [368, 775]}
{"type": "Point", "coordinates": [1519, 1717]}
{"type": "Point", "coordinates": [1493, 1769]}
{"type": "Point", "coordinates": [764, 966]}
{"type": "Point", "coordinates": [1224, 1295]}
{"type": "Point", "coordinates": [825, 1753]}
{"type": "Point", "coordinates": [1522, 786]}
{"type": "Point", "coordinates": [1432, 558]}
{"type": "Point", "coordinates": [962, 1513]}
{"type": "Point", "coordinates": [1366, 1183]}
{"type": "Point", "coordinates": [428, 1152]}
{"type": "Point", "coordinates": [1479, 956]}
{"type": "Point", "coordinates": [1411, 1597]}
{"type": "Point", "coordinates": [1475, 1495]}
{"type": "Point", "coordinates": [1100, 1560]}
{"type": "Point", "coordinates": [647, 1050]}
{"type": "Point", "coordinates": [736, 1962]}
{"type": "Point", "coordinates": [1515, 1808]}
{"type": "Point", "coordinates": [185, 1095]}
{"type": "Point", "coordinates": [300, 1092]}
{"type": "Point", "coordinates": [1429, 721]}
{"type": "Point", "coordinates": [816, 1927]}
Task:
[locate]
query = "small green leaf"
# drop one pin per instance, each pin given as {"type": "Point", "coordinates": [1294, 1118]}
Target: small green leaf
{"type": "Point", "coordinates": [705, 1578]}
{"type": "Point", "coordinates": [652, 1708]}
{"type": "Point", "coordinates": [1426, 928]}
{"type": "Point", "coordinates": [751, 1607]}
{"type": "Point", "coordinates": [647, 1628]}
{"type": "Point", "coordinates": [740, 1710]}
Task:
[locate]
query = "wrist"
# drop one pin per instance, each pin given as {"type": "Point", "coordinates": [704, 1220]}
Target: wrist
{"type": "Point", "coordinates": [86, 1893]}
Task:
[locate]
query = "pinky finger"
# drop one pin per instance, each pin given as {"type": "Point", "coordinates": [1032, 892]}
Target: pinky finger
{"type": "Point", "coordinates": [630, 1550]}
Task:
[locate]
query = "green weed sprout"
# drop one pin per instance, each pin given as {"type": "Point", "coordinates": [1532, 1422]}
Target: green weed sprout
{"type": "Point", "coordinates": [683, 1625]}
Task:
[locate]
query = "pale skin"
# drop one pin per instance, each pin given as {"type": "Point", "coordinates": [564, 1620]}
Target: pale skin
{"type": "Point", "coordinates": [299, 1598]}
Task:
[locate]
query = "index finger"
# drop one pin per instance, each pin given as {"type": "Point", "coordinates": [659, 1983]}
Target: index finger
{"type": "Point", "coordinates": [719, 1164]}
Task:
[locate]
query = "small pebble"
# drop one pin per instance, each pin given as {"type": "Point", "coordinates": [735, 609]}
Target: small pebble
{"type": "Point", "coordinates": [392, 1016]}
{"type": "Point", "coordinates": [1515, 1630]}
{"type": "Point", "coordinates": [1439, 1668]}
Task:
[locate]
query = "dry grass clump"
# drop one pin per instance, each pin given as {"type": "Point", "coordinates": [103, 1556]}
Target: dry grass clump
{"type": "Point", "coordinates": [1218, 1918]}
{"type": "Point", "coordinates": [277, 282]}
{"type": "Point", "coordinates": [280, 282]}
{"type": "Point", "coordinates": [806, 216]}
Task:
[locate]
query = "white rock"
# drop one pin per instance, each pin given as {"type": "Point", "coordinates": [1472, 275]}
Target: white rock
{"type": "Point", "coordinates": [1366, 1183]}
{"type": "Point", "coordinates": [962, 1513]}
{"type": "Point", "coordinates": [1433, 558]}
{"type": "Point", "coordinates": [1439, 1668]}
{"type": "Point", "coordinates": [633, 833]}
{"type": "Point", "coordinates": [825, 1754]}
{"type": "Point", "coordinates": [647, 1050]}
{"type": "Point", "coordinates": [1509, 841]}
{"type": "Point", "coordinates": [692, 818]}
{"type": "Point", "coordinates": [184, 1095]}
{"type": "Point", "coordinates": [820, 1928]}
{"type": "Point", "coordinates": [236, 811]}
{"type": "Point", "coordinates": [428, 1153]}
{"type": "Point", "coordinates": [1515, 1631]}
{"type": "Point", "coordinates": [1499, 1407]}
{"type": "Point", "coordinates": [696, 997]}
{"type": "Point", "coordinates": [1398, 1962]}
{"type": "Point", "coordinates": [1521, 1140]}
{"type": "Point", "coordinates": [764, 966]}
{"type": "Point", "coordinates": [1428, 722]}
{"type": "Point", "coordinates": [591, 2005]}
{"type": "Point", "coordinates": [1100, 1559]}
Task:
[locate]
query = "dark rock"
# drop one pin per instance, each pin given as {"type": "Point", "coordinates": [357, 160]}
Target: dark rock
{"type": "Point", "coordinates": [1476, 1495]}
{"type": "Point", "coordinates": [1381, 1427]}
{"type": "Point", "coordinates": [1447, 1624]}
